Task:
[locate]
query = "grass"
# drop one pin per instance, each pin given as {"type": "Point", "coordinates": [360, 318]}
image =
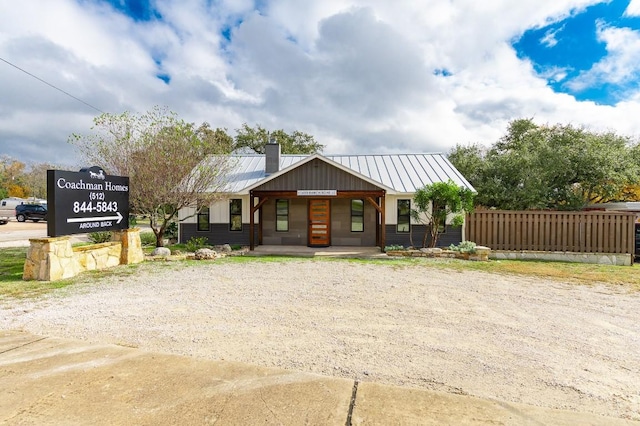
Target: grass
{"type": "Point", "coordinates": [12, 263]}
{"type": "Point", "coordinates": [11, 283]}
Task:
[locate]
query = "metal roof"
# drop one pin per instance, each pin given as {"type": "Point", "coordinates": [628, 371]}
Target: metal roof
{"type": "Point", "coordinates": [397, 173]}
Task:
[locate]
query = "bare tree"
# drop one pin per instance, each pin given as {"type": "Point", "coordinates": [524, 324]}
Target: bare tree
{"type": "Point", "coordinates": [169, 164]}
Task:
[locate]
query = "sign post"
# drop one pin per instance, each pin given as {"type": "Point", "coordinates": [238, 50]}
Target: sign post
{"type": "Point", "coordinates": [86, 201]}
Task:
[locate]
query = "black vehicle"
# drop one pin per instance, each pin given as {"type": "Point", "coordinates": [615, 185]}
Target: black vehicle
{"type": "Point", "coordinates": [34, 212]}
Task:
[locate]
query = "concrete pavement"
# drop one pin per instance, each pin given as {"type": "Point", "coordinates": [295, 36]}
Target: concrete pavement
{"type": "Point", "coordinates": [52, 381]}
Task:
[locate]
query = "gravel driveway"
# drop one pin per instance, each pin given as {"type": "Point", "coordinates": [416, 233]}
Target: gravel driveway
{"type": "Point", "coordinates": [518, 339]}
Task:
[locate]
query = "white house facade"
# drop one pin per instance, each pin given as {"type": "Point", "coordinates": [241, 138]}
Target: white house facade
{"type": "Point", "coordinates": [320, 201]}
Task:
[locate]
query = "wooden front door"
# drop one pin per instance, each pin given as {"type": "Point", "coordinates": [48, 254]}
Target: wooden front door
{"type": "Point", "coordinates": [319, 223]}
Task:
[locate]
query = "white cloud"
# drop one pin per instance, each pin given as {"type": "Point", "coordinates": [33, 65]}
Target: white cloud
{"type": "Point", "coordinates": [359, 75]}
{"type": "Point", "coordinates": [621, 63]}
{"type": "Point", "coordinates": [549, 39]}
{"type": "Point", "coordinates": [633, 9]}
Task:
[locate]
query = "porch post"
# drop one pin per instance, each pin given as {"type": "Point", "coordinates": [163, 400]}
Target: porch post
{"type": "Point", "coordinates": [384, 221]}
{"type": "Point", "coordinates": [378, 218]}
{"type": "Point", "coordinates": [251, 221]}
{"type": "Point", "coordinates": [260, 223]}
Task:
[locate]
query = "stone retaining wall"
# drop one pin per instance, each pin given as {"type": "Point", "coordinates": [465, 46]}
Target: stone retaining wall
{"type": "Point", "coordinates": [52, 259]}
{"type": "Point", "coordinates": [619, 259]}
{"type": "Point", "coordinates": [481, 253]}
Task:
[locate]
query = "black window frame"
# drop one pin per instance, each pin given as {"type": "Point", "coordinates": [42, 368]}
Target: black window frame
{"type": "Point", "coordinates": [357, 214]}
{"type": "Point", "coordinates": [279, 216]}
{"type": "Point", "coordinates": [203, 212]}
{"type": "Point", "coordinates": [405, 216]}
{"type": "Point", "coordinates": [237, 203]}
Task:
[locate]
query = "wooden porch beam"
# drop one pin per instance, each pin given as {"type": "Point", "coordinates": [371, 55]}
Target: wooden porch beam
{"type": "Point", "coordinates": [374, 204]}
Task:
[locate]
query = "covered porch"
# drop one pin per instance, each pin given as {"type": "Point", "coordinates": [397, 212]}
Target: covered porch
{"type": "Point", "coordinates": [313, 217]}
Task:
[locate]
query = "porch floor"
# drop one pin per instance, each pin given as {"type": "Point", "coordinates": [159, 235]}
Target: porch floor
{"type": "Point", "coordinates": [331, 251]}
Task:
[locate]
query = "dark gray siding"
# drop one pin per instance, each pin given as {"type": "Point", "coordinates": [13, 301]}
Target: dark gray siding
{"type": "Point", "coordinates": [218, 234]}
{"type": "Point", "coordinates": [451, 236]}
{"type": "Point", "coordinates": [317, 174]}
{"type": "Point", "coordinates": [341, 234]}
{"type": "Point", "coordinates": [297, 234]}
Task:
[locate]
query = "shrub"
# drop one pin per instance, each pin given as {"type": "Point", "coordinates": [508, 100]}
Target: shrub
{"type": "Point", "coordinates": [133, 221]}
{"type": "Point", "coordinates": [172, 230]}
{"type": "Point", "coordinates": [393, 247]}
{"type": "Point", "coordinates": [148, 238]}
{"type": "Point", "coordinates": [196, 243]}
{"type": "Point", "coordinates": [464, 247]}
{"type": "Point", "coordinates": [99, 237]}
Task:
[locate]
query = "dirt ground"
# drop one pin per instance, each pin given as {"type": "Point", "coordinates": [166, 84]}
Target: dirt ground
{"type": "Point", "coordinates": [518, 339]}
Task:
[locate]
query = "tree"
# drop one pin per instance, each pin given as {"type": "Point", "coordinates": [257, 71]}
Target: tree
{"type": "Point", "coordinates": [171, 164]}
{"type": "Point", "coordinates": [470, 161]}
{"type": "Point", "coordinates": [255, 139]}
{"type": "Point", "coordinates": [558, 167]}
{"type": "Point", "coordinates": [11, 178]}
{"type": "Point", "coordinates": [435, 202]}
{"type": "Point", "coordinates": [35, 180]}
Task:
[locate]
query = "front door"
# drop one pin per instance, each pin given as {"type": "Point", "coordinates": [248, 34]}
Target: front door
{"type": "Point", "coordinates": [319, 223]}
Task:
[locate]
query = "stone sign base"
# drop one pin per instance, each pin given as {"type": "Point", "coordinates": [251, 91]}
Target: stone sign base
{"type": "Point", "coordinates": [52, 259]}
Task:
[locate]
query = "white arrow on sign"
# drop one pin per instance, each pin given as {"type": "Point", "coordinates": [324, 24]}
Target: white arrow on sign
{"type": "Point", "coordinates": [95, 219]}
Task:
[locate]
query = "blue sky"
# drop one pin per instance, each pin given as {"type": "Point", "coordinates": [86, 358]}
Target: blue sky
{"type": "Point", "coordinates": [359, 75]}
{"type": "Point", "coordinates": [564, 50]}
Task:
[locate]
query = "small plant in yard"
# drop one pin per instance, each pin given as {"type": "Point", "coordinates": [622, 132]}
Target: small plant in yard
{"type": "Point", "coordinates": [196, 243]}
{"type": "Point", "coordinates": [464, 247]}
{"type": "Point", "coordinates": [393, 247]}
{"type": "Point", "coordinates": [172, 230]}
{"type": "Point", "coordinates": [99, 237]}
{"type": "Point", "coordinates": [147, 239]}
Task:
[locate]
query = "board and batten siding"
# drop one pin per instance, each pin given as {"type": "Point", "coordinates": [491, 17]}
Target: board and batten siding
{"type": "Point", "coordinates": [316, 175]}
{"type": "Point", "coordinates": [217, 234]}
{"type": "Point", "coordinates": [450, 236]}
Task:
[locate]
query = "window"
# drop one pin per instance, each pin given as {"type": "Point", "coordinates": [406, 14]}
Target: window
{"type": "Point", "coordinates": [404, 216]}
{"type": "Point", "coordinates": [357, 215]}
{"type": "Point", "coordinates": [203, 219]}
{"type": "Point", "coordinates": [235, 214]}
{"type": "Point", "coordinates": [282, 215]}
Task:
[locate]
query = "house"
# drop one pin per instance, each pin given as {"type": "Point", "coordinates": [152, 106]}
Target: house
{"type": "Point", "coordinates": [317, 200]}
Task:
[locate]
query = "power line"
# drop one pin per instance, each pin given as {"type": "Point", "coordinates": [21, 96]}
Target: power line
{"type": "Point", "coordinates": [51, 85]}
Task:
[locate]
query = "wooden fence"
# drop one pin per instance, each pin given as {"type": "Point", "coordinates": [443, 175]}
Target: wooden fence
{"type": "Point", "coordinates": [582, 232]}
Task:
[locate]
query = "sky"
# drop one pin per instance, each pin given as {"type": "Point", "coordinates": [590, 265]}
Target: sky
{"type": "Point", "coordinates": [361, 76]}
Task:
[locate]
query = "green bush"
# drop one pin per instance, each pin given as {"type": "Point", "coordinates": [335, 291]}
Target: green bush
{"type": "Point", "coordinates": [464, 247]}
{"type": "Point", "coordinates": [100, 237]}
{"type": "Point", "coordinates": [393, 247]}
{"type": "Point", "coordinates": [148, 238]}
{"type": "Point", "coordinates": [133, 221]}
{"type": "Point", "coordinates": [172, 230]}
{"type": "Point", "coordinates": [196, 243]}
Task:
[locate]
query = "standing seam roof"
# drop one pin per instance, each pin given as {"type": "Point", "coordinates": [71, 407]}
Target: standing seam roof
{"type": "Point", "coordinates": [405, 173]}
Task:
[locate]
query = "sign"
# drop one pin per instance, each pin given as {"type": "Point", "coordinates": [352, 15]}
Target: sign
{"type": "Point", "coordinates": [317, 193]}
{"type": "Point", "coordinates": [86, 201]}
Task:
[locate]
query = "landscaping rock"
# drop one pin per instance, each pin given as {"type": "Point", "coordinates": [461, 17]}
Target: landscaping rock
{"type": "Point", "coordinates": [431, 250]}
{"type": "Point", "coordinates": [161, 251]}
{"type": "Point", "coordinates": [205, 253]}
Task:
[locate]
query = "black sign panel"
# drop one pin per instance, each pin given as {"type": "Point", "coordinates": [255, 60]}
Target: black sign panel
{"type": "Point", "coordinates": [86, 201]}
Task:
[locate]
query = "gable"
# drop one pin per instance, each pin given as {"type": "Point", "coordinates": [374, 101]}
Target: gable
{"type": "Point", "coordinates": [316, 175]}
